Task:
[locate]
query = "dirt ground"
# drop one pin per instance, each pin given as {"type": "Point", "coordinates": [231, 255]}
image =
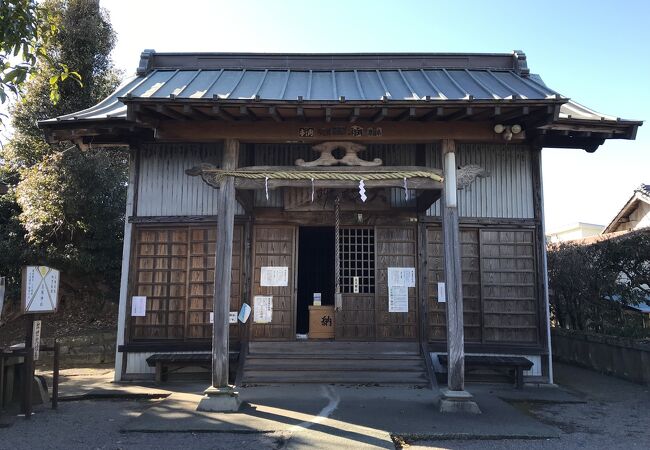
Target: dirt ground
{"type": "Point", "coordinates": [615, 415]}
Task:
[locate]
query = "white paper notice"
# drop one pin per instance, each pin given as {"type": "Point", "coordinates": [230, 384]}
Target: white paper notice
{"type": "Point", "coordinates": [138, 306]}
{"type": "Point", "coordinates": [398, 299]}
{"type": "Point", "coordinates": [211, 317]}
{"type": "Point", "coordinates": [401, 276]}
{"type": "Point", "coordinates": [262, 309]}
{"type": "Point", "coordinates": [232, 318]}
{"type": "Point", "coordinates": [274, 276]}
{"type": "Point", "coordinates": [442, 293]}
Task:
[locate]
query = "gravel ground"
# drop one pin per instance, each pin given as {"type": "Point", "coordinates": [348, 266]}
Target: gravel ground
{"type": "Point", "coordinates": [616, 414]}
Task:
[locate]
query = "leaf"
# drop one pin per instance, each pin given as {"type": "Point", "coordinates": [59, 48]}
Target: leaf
{"type": "Point", "coordinates": [54, 79]}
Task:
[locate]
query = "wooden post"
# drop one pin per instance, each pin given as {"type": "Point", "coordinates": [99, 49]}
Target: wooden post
{"type": "Point", "coordinates": [453, 274]}
{"type": "Point", "coordinates": [55, 375]}
{"type": "Point", "coordinates": [28, 377]}
{"type": "Point", "coordinates": [223, 267]}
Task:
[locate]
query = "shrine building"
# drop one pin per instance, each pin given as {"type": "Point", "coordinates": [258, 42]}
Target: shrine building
{"type": "Point", "coordinates": [369, 218]}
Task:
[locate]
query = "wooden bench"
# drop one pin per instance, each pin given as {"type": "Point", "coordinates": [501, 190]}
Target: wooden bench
{"type": "Point", "coordinates": [516, 363]}
{"type": "Point", "coordinates": [169, 362]}
{"type": "Point", "coordinates": [165, 363]}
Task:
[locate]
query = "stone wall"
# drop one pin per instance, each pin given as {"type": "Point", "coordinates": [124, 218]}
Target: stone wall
{"type": "Point", "coordinates": [621, 357]}
{"type": "Point", "coordinates": [88, 349]}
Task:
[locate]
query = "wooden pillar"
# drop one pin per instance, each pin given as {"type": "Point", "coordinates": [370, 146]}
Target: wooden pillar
{"type": "Point", "coordinates": [223, 267]}
{"type": "Point", "coordinates": [453, 274]}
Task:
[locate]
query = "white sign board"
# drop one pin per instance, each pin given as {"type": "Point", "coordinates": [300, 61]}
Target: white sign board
{"type": "Point", "coordinates": [398, 299]}
{"type": "Point", "coordinates": [262, 309]}
{"type": "Point", "coordinates": [2, 294]}
{"type": "Point", "coordinates": [274, 276]}
{"type": "Point", "coordinates": [401, 276]}
{"type": "Point", "coordinates": [442, 293]}
{"type": "Point", "coordinates": [40, 290]}
{"type": "Point", "coordinates": [138, 306]}
{"type": "Point", "coordinates": [232, 317]}
{"type": "Point", "coordinates": [36, 339]}
{"type": "Point", "coordinates": [355, 285]}
{"type": "Point", "coordinates": [244, 313]}
{"type": "Point", "coordinates": [317, 298]}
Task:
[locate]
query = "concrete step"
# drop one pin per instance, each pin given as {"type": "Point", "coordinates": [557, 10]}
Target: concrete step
{"type": "Point", "coordinates": [334, 356]}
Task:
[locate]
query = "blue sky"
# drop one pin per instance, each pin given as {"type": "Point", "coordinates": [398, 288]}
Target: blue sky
{"type": "Point", "coordinates": [595, 52]}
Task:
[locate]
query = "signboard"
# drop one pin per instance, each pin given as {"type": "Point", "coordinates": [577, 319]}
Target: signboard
{"type": "Point", "coordinates": [40, 289]}
{"type": "Point", "coordinates": [317, 298]}
{"type": "Point", "coordinates": [401, 276]}
{"type": "Point", "coordinates": [232, 317]}
{"type": "Point", "coordinates": [2, 294]}
{"type": "Point", "coordinates": [138, 306]}
{"type": "Point", "coordinates": [36, 339]}
{"type": "Point", "coordinates": [274, 276]}
{"type": "Point", "coordinates": [398, 299]}
{"type": "Point", "coordinates": [442, 293]}
{"type": "Point", "coordinates": [262, 309]}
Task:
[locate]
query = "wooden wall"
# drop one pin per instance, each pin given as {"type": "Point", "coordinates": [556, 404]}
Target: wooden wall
{"type": "Point", "coordinates": [173, 266]}
{"type": "Point", "coordinates": [499, 286]}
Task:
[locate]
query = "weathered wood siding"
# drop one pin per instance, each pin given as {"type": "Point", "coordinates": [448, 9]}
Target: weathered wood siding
{"type": "Point", "coordinates": [396, 247]}
{"type": "Point", "coordinates": [164, 189]}
{"type": "Point", "coordinates": [173, 267]}
{"type": "Point", "coordinates": [275, 246]}
{"type": "Point", "coordinates": [508, 190]}
{"type": "Point", "coordinates": [499, 286]}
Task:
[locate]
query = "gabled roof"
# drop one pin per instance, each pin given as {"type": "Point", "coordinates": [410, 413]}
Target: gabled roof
{"type": "Point", "coordinates": [346, 87]}
{"type": "Point", "coordinates": [641, 194]}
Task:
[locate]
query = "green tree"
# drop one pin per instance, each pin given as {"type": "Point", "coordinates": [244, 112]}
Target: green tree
{"type": "Point", "coordinates": [65, 205]}
{"type": "Point", "coordinates": [27, 30]}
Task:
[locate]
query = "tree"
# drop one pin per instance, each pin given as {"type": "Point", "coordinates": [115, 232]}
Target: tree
{"type": "Point", "coordinates": [68, 203]}
{"type": "Point", "coordinates": [591, 285]}
{"type": "Point", "coordinates": [27, 30]}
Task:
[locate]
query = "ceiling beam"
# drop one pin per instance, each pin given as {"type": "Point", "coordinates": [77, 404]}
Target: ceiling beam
{"type": "Point", "coordinates": [356, 112]}
{"type": "Point", "coordinates": [380, 115]}
{"type": "Point", "coordinates": [275, 115]}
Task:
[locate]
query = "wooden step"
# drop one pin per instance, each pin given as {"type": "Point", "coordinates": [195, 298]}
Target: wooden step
{"type": "Point", "coordinates": [313, 347]}
{"type": "Point", "coordinates": [334, 365]}
{"type": "Point", "coordinates": [342, 356]}
{"type": "Point", "coordinates": [342, 377]}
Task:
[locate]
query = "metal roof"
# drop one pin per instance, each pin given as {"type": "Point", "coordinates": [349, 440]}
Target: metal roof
{"type": "Point", "coordinates": [344, 87]}
{"type": "Point", "coordinates": [321, 87]}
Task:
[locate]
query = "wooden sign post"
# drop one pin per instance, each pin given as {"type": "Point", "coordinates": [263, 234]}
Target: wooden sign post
{"type": "Point", "coordinates": [39, 295]}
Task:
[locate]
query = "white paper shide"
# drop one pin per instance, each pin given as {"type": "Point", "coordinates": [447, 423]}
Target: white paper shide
{"type": "Point", "coordinates": [262, 309]}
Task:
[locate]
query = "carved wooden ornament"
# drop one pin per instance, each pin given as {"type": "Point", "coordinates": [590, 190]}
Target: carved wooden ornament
{"type": "Point", "coordinates": [351, 158]}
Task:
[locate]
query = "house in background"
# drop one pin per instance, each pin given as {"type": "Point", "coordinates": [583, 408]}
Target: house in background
{"type": "Point", "coordinates": [578, 230]}
{"type": "Point", "coordinates": [635, 214]}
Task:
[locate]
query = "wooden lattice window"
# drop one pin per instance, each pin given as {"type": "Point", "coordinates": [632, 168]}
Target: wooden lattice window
{"type": "Point", "coordinates": [357, 257]}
